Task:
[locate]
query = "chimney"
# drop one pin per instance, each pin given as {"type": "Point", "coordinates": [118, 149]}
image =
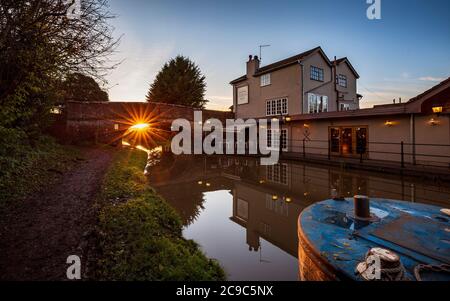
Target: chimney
{"type": "Point", "coordinates": [252, 65]}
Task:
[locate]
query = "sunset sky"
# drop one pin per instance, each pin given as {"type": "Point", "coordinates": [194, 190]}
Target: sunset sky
{"type": "Point", "coordinates": [401, 55]}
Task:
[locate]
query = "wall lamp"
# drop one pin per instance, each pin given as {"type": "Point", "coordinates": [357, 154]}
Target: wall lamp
{"type": "Point", "coordinates": [437, 110]}
{"type": "Point", "coordinates": [389, 123]}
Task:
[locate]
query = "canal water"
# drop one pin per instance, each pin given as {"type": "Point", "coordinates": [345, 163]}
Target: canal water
{"type": "Point", "coordinates": [245, 215]}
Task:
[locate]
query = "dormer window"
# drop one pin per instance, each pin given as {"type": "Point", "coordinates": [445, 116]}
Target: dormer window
{"type": "Point", "coordinates": [265, 80]}
{"type": "Point", "coordinates": [317, 74]}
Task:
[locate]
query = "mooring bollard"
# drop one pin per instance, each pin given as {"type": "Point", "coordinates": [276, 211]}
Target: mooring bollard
{"type": "Point", "coordinates": [362, 206]}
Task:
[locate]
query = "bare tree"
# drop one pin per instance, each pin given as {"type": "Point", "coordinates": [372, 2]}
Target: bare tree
{"type": "Point", "coordinates": [40, 44]}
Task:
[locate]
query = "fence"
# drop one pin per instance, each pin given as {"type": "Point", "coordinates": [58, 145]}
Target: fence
{"type": "Point", "coordinates": [436, 155]}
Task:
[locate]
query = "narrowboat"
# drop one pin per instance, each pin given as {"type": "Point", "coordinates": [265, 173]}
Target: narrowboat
{"type": "Point", "coordinates": [364, 239]}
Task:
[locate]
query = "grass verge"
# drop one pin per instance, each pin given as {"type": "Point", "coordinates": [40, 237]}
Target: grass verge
{"type": "Point", "coordinates": [140, 234]}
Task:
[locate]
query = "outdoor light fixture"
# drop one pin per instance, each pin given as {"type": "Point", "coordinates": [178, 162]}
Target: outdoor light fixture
{"type": "Point", "coordinates": [306, 125]}
{"type": "Point", "coordinates": [288, 200]}
{"type": "Point", "coordinates": [389, 123]}
{"type": "Point", "coordinates": [275, 198]}
{"type": "Point", "coordinates": [288, 119]}
{"type": "Point", "coordinates": [437, 110]}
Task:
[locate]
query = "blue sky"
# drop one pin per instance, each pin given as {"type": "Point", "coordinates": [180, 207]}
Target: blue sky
{"type": "Point", "coordinates": [401, 55]}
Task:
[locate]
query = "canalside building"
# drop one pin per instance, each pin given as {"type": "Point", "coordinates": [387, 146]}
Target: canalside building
{"type": "Point", "coordinates": [317, 102]}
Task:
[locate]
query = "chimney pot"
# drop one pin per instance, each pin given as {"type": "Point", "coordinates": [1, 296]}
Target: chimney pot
{"type": "Point", "coordinates": [250, 57]}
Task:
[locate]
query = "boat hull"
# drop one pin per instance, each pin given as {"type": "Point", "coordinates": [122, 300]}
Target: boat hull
{"type": "Point", "coordinates": [332, 242]}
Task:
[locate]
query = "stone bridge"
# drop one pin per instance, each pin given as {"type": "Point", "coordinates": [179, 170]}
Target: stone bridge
{"type": "Point", "coordinates": [106, 122]}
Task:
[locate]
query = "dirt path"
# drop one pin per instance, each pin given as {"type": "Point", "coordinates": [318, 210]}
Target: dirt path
{"type": "Point", "coordinates": [37, 237]}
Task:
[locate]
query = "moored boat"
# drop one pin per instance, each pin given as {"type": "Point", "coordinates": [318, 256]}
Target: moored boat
{"type": "Point", "coordinates": [377, 239]}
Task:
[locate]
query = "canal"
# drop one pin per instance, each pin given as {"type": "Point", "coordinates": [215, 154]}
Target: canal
{"type": "Point", "coordinates": [245, 215]}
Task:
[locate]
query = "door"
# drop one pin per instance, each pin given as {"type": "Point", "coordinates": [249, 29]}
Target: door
{"type": "Point", "coordinates": [361, 141]}
{"type": "Point", "coordinates": [347, 142]}
{"type": "Point", "coordinates": [335, 141]}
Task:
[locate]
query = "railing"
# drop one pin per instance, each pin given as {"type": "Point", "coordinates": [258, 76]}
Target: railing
{"type": "Point", "coordinates": [402, 153]}
{"type": "Point", "coordinates": [437, 155]}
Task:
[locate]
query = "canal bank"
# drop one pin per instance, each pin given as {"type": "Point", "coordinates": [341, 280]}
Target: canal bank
{"type": "Point", "coordinates": [93, 202]}
{"type": "Point", "coordinates": [139, 236]}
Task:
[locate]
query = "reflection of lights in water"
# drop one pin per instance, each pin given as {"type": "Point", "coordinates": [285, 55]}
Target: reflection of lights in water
{"type": "Point", "coordinates": [345, 148]}
{"type": "Point", "coordinates": [275, 197]}
{"type": "Point", "coordinates": [288, 200]}
{"type": "Point", "coordinates": [153, 155]}
{"type": "Point", "coordinates": [140, 147]}
{"type": "Point", "coordinates": [208, 184]}
{"type": "Point", "coordinates": [200, 182]}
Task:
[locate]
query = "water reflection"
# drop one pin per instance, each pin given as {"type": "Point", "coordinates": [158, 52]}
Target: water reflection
{"type": "Point", "coordinates": [245, 215]}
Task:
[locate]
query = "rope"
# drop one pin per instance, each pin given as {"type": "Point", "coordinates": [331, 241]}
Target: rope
{"type": "Point", "coordinates": [389, 271]}
{"type": "Point", "coordinates": [443, 268]}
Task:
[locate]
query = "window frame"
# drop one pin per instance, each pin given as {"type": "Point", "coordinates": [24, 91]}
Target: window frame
{"type": "Point", "coordinates": [277, 107]}
{"type": "Point", "coordinates": [342, 80]}
{"type": "Point", "coordinates": [283, 141]}
{"type": "Point", "coordinates": [344, 107]}
{"type": "Point", "coordinates": [316, 103]}
{"type": "Point", "coordinates": [265, 80]}
{"type": "Point", "coordinates": [317, 74]}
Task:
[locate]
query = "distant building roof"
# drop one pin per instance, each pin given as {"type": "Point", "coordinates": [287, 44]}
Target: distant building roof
{"type": "Point", "coordinates": [290, 61]}
{"type": "Point", "coordinates": [345, 60]}
{"type": "Point", "coordinates": [239, 79]}
{"type": "Point", "coordinates": [417, 105]}
{"type": "Point", "coordinates": [284, 63]}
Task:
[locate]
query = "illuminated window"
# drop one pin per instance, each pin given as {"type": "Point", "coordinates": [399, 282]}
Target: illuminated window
{"type": "Point", "coordinates": [437, 109]}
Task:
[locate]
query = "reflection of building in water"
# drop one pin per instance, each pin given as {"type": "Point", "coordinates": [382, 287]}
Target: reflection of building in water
{"type": "Point", "coordinates": [268, 200]}
{"type": "Point", "coordinates": [265, 216]}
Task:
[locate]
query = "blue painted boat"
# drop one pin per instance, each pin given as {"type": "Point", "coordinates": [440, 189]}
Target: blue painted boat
{"type": "Point", "coordinates": [378, 239]}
